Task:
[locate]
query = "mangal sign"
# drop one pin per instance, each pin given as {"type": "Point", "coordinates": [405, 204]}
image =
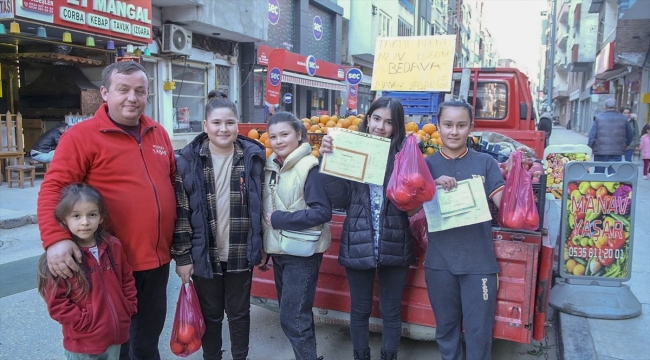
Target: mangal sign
{"type": "Point", "coordinates": [120, 19]}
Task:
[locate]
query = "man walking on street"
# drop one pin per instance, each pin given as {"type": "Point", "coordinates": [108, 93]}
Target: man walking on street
{"type": "Point", "coordinates": [610, 135]}
{"type": "Point", "coordinates": [129, 158]}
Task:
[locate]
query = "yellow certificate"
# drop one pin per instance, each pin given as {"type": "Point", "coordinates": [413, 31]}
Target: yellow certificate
{"type": "Point", "coordinates": [357, 156]}
{"type": "Point", "coordinates": [466, 204]}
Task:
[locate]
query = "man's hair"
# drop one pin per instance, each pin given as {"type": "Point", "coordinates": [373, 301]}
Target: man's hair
{"type": "Point", "coordinates": [120, 67]}
{"type": "Point", "coordinates": [610, 104]}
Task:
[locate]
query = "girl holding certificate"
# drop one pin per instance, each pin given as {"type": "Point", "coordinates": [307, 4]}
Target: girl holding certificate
{"type": "Point", "coordinates": [460, 264]}
{"type": "Point", "coordinates": [376, 239]}
{"type": "Point", "coordinates": [297, 211]}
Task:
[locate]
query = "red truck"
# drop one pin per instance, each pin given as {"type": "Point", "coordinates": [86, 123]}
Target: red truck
{"type": "Point", "coordinates": [503, 104]}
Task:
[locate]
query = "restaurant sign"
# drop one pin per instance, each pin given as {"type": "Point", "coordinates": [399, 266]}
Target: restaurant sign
{"type": "Point", "coordinates": [119, 19]}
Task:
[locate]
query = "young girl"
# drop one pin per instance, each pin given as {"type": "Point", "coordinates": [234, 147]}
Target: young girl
{"type": "Point", "coordinates": [644, 146]}
{"type": "Point", "coordinates": [376, 238]}
{"type": "Point", "coordinates": [218, 235]}
{"type": "Point", "coordinates": [294, 199]}
{"type": "Point", "coordinates": [94, 306]}
{"type": "Point", "coordinates": [460, 264]}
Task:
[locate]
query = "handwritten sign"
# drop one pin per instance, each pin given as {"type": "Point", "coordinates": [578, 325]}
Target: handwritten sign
{"type": "Point", "coordinates": [414, 63]}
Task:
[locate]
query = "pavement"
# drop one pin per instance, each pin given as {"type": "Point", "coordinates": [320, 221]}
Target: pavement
{"type": "Point", "coordinates": [24, 321]}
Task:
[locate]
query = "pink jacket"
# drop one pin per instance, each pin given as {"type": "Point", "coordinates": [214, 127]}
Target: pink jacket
{"type": "Point", "coordinates": [644, 146]}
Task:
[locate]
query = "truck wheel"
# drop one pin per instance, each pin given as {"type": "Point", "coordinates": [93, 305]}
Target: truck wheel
{"type": "Point", "coordinates": [545, 125]}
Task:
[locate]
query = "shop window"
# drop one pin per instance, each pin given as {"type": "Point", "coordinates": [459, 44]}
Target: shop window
{"type": "Point", "coordinates": [189, 97]}
{"type": "Point", "coordinates": [151, 110]}
{"type": "Point", "coordinates": [491, 99]}
{"type": "Point", "coordinates": [223, 79]}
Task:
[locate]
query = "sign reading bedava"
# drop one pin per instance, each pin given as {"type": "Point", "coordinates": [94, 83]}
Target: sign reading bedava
{"type": "Point", "coordinates": [414, 63]}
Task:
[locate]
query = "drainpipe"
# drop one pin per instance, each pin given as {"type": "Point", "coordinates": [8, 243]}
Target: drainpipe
{"type": "Point", "coordinates": [551, 73]}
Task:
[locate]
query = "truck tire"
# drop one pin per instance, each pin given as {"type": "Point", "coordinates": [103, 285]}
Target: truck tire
{"type": "Point", "coordinates": [546, 125]}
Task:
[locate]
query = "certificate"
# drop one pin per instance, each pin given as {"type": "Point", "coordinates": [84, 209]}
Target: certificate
{"type": "Point", "coordinates": [357, 156]}
{"type": "Point", "coordinates": [466, 204]}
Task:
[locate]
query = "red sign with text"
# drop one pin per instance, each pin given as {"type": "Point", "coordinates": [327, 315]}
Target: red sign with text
{"type": "Point", "coordinates": [298, 63]}
{"type": "Point", "coordinates": [352, 97]}
{"type": "Point", "coordinates": [120, 19]}
{"type": "Point", "coordinates": [274, 77]}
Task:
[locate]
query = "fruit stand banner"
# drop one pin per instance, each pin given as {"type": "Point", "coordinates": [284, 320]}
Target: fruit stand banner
{"type": "Point", "coordinates": [555, 158]}
{"type": "Point", "coordinates": [597, 217]}
{"type": "Point", "coordinates": [414, 63]}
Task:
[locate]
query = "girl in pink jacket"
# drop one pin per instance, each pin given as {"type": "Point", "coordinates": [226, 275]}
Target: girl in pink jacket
{"type": "Point", "coordinates": [644, 146]}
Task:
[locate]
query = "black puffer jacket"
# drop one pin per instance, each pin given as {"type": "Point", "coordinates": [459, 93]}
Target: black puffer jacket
{"type": "Point", "coordinates": [395, 238]}
{"type": "Point", "coordinates": [48, 141]}
{"type": "Point", "coordinates": [189, 166]}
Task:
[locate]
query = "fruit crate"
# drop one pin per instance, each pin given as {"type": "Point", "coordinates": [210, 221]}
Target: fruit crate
{"type": "Point", "coordinates": [539, 193]}
{"type": "Point", "coordinates": [418, 103]}
{"type": "Point", "coordinates": [315, 139]}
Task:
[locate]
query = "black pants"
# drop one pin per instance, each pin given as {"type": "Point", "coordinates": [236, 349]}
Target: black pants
{"type": "Point", "coordinates": [148, 323]}
{"type": "Point", "coordinates": [469, 300]}
{"type": "Point", "coordinates": [230, 292]}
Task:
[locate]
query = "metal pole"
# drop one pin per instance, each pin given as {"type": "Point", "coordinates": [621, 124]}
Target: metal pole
{"type": "Point", "coordinates": [551, 73]}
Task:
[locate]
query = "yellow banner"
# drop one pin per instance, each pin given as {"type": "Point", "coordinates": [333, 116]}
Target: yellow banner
{"type": "Point", "coordinates": [414, 63]}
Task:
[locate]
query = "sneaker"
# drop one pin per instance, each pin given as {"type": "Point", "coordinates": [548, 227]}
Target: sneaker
{"type": "Point", "coordinates": [645, 177]}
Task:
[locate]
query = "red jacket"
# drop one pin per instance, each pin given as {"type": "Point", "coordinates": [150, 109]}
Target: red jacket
{"type": "Point", "coordinates": [101, 318]}
{"type": "Point", "coordinates": [136, 181]}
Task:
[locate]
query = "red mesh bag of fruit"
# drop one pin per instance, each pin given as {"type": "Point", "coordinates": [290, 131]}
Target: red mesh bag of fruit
{"type": "Point", "coordinates": [189, 326]}
{"type": "Point", "coordinates": [411, 183]}
{"type": "Point", "coordinates": [518, 209]}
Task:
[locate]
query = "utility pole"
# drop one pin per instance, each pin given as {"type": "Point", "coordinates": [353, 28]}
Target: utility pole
{"type": "Point", "coordinates": [551, 72]}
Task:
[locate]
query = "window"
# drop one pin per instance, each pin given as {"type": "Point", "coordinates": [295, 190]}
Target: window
{"type": "Point", "coordinates": [189, 97]}
{"type": "Point", "coordinates": [223, 79]}
{"type": "Point", "coordinates": [151, 110]}
{"type": "Point", "coordinates": [491, 99]}
{"type": "Point", "coordinates": [403, 28]}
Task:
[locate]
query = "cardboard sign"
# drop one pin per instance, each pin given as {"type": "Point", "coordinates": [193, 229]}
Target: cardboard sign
{"type": "Point", "coordinates": [597, 216]}
{"type": "Point", "coordinates": [414, 63]}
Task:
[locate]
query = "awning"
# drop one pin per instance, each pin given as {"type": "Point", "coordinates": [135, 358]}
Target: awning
{"type": "Point", "coordinates": [617, 71]}
{"type": "Point", "coordinates": [310, 81]}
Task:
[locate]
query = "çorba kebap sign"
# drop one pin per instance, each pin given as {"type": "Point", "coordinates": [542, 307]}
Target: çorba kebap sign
{"type": "Point", "coordinates": [119, 19]}
{"type": "Point", "coordinates": [414, 63]}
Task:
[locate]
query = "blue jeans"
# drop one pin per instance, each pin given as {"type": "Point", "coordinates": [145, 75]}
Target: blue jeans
{"type": "Point", "coordinates": [605, 158]}
{"type": "Point", "coordinates": [392, 280]}
{"type": "Point", "coordinates": [295, 281]}
{"type": "Point", "coordinates": [42, 157]}
{"type": "Point", "coordinates": [628, 154]}
{"type": "Point", "coordinates": [111, 353]}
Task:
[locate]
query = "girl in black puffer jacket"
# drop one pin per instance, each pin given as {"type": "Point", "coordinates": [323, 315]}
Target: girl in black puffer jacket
{"type": "Point", "coordinates": [376, 237]}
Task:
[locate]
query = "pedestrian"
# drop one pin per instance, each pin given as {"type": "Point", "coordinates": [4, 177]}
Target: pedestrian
{"type": "Point", "coordinates": [43, 149]}
{"type": "Point", "coordinates": [129, 159]}
{"type": "Point", "coordinates": [631, 118]}
{"type": "Point", "coordinates": [376, 240]}
{"type": "Point", "coordinates": [610, 135]}
{"type": "Point", "coordinates": [218, 236]}
{"type": "Point", "coordinates": [295, 200]}
{"type": "Point", "coordinates": [272, 110]}
{"type": "Point", "coordinates": [104, 281]}
{"type": "Point", "coordinates": [460, 263]}
{"type": "Point", "coordinates": [644, 146]}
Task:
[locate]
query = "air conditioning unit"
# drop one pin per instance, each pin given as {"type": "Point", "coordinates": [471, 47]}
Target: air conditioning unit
{"type": "Point", "coordinates": [176, 40]}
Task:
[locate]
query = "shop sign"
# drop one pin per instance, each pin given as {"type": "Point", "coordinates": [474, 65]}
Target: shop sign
{"type": "Point", "coordinates": [600, 87]}
{"type": "Point", "coordinates": [352, 97]}
{"type": "Point", "coordinates": [126, 19]}
{"type": "Point", "coordinates": [597, 232]}
{"type": "Point", "coordinates": [274, 12]}
{"type": "Point", "coordinates": [298, 63]}
{"type": "Point", "coordinates": [354, 76]}
{"type": "Point", "coordinates": [318, 27]}
{"type": "Point", "coordinates": [287, 98]}
{"type": "Point", "coordinates": [274, 77]}
{"type": "Point", "coordinates": [605, 58]}
{"type": "Point", "coordinates": [310, 65]}
{"type": "Point", "coordinates": [6, 9]}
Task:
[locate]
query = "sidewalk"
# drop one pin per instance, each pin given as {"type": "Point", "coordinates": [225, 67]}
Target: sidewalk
{"type": "Point", "coordinates": [24, 313]}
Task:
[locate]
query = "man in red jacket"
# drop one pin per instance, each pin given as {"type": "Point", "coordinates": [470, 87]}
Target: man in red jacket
{"type": "Point", "coordinates": [129, 158]}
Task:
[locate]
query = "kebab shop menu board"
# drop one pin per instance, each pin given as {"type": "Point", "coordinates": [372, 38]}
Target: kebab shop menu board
{"type": "Point", "coordinates": [597, 230]}
{"type": "Point", "coordinates": [555, 158]}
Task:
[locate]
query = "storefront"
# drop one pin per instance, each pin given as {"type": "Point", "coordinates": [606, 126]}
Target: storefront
{"type": "Point", "coordinates": [305, 90]}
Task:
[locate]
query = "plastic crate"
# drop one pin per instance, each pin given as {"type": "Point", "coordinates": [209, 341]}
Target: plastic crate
{"type": "Point", "coordinates": [418, 103]}
{"type": "Point", "coordinates": [539, 193]}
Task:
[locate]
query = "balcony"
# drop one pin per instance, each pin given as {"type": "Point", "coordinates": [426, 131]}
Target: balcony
{"type": "Point", "coordinates": [562, 42]}
{"type": "Point", "coordinates": [560, 93]}
{"type": "Point", "coordinates": [561, 65]}
{"type": "Point", "coordinates": [563, 14]}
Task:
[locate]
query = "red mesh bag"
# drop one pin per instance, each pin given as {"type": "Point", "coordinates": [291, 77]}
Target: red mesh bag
{"type": "Point", "coordinates": [518, 209]}
{"type": "Point", "coordinates": [189, 326]}
{"type": "Point", "coordinates": [419, 228]}
{"type": "Point", "coordinates": [411, 183]}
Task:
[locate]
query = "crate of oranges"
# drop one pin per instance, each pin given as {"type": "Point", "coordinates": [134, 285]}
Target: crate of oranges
{"type": "Point", "coordinates": [429, 137]}
{"type": "Point", "coordinates": [263, 138]}
{"type": "Point", "coordinates": [318, 126]}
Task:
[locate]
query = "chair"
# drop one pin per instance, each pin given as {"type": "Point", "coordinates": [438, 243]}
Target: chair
{"type": "Point", "coordinates": [20, 170]}
{"type": "Point", "coordinates": [41, 167]}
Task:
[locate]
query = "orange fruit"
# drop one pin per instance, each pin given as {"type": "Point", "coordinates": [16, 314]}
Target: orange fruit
{"type": "Point", "coordinates": [361, 116]}
{"type": "Point", "coordinates": [313, 128]}
{"type": "Point", "coordinates": [339, 125]}
{"type": "Point", "coordinates": [330, 123]}
{"type": "Point", "coordinates": [314, 120]}
{"type": "Point", "coordinates": [324, 119]}
{"type": "Point", "coordinates": [267, 143]}
{"type": "Point", "coordinates": [353, 127]}
{"type": "Point", "coordinates": [411, 126]}
{"type": "Point", "coordinates": [352, 118]}
{"type": "Point", "coordinates": [334, 117]}
{"type": "Point", "coordinates": [268, 152]}
{"type": "Point", "coordinates": [264, 136]}
{"type": "Point", "coordinates": [436, 135]}
{"type": "Point", "coordinates": [324, 130]}
{"type": "Point", "coordinates": [430, 150]}
{"type": "Point", "coordinates": [319, 131]}
{"type": "Point", "coordinates": [346, 123]}
{"type": "Point", "coordinates": [315, 152]}
{"type": "Point", "coordinates": [253, 134]}
{"type": "Point", "coordinates": [355, 120]}
{"type": "Point", "coordinates": [305, 119]}
{"type": "Point", "coordinates": [307, 125]}
{"type": "Point", "coordinates": [429, 128]}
